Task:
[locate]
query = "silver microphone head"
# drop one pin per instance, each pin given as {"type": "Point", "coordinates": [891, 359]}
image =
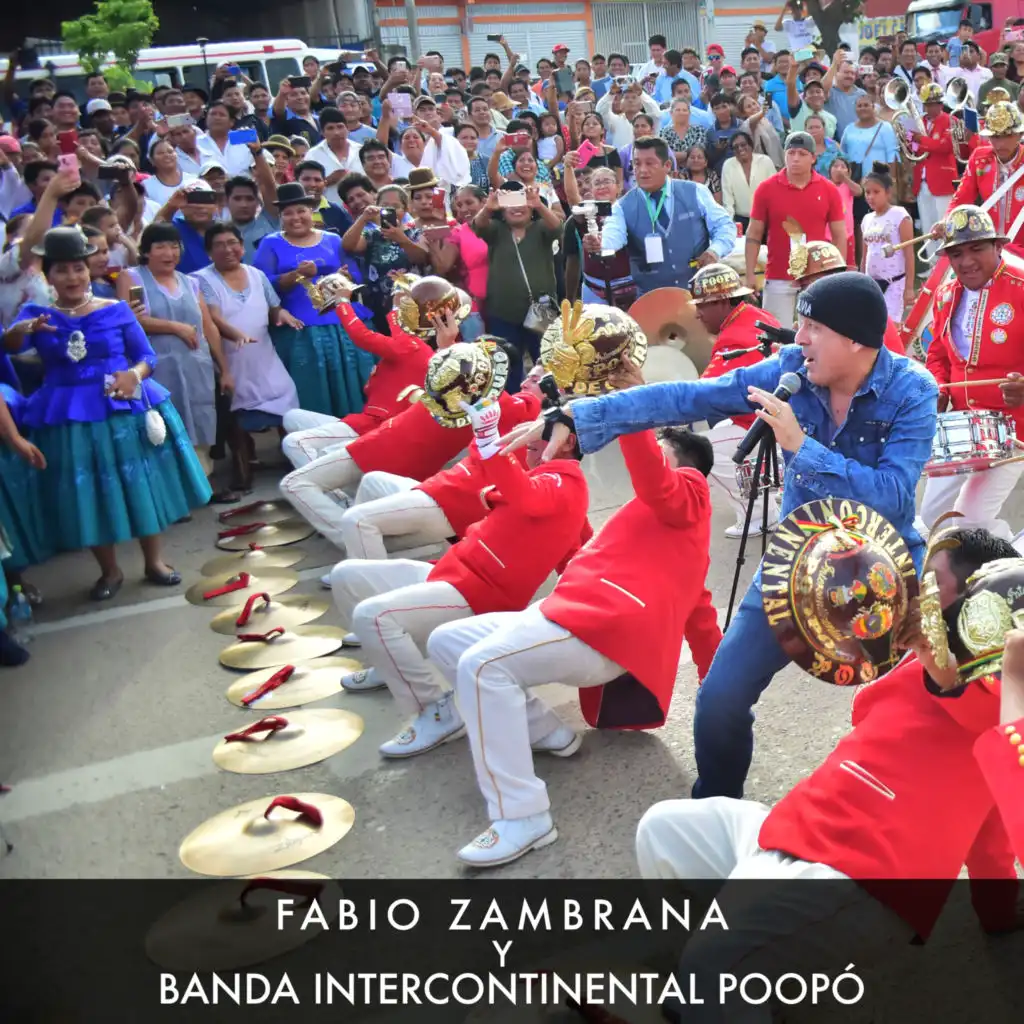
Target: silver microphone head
{"type": "Point", "coordinates": [791, 382]}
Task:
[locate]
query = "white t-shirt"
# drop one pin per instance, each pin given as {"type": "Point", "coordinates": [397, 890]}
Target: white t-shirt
{"type": "Point", "coordinates": [156, 190]}
{"type": "Point", "coordinates": [324, 156]}
{"type": "Point", "coordinates": [799, 33]}
{"type": "Point", "coordinates": [236, 157]}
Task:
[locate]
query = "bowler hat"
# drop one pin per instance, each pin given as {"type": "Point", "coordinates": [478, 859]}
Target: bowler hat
{"type": "Point", "coordinates": [64, 245]}
{"type": "Point", "coordinates": [292, 193]}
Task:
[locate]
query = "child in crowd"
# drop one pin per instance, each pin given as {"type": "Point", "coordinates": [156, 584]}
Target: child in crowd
{"type": "Point", "coordinates": [550, 145]}
{"type": "Point", "coordinates": [887, 224]}
{"type": "Point", "coordinates": [839, 172]}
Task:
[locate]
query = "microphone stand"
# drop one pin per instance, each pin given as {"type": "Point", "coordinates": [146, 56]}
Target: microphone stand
{"type": "Point", "coordinates": [764, 482]}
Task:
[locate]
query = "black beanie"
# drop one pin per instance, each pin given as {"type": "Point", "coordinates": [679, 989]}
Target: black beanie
{"type": "Point", "coordinates": [850, 303]}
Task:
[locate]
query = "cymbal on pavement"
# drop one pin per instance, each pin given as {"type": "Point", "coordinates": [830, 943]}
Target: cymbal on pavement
{"type": "Point", "coordinates": [667, 317]}
{"type": "Point", "coordinates": [275, 511]}
{"type": "Point", "coordinates": [264, 614]}
{"type": "Point", "coordinates": [304, 684]}
{"type": "Point", "coordinates": [288, 647]}
{"type": "Point", "coordinates": [213, 591]}
{"type": "Point", "coordinates": [233, 924]}
{"type": "Point", "coordinates": [275, 535]}
{"type": "Point", "coordinates": [279, 744]}
{"type": "Point", "coordinates": [254, 560]}
{"type": "Point", "coordinates": [266, 834]}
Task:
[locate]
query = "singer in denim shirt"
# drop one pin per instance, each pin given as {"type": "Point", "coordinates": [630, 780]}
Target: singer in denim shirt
{"type": "Point", "coordinates": [875, 456]}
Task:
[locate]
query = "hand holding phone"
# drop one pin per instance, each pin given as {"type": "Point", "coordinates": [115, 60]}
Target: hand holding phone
{"type": "Point", "coordinates": [300, 81]}
{"type": "Point", "coordinates": [586, 152]}
{"type": "Point", "coordinates": [243, 136]}
{"type": "Point", "coordinates": [517, 140]}
{"type": "Point", "coordinates": [67, 142]}
{"type": "Point", "coordinates": [68, 162]}
{"type": "Point", "coordinates": [401, 104]}
{"type": "Point", "coordinates": [510, 200]}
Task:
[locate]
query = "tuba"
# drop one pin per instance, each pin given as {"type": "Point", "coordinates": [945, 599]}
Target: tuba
{"type": "Point", "coordinates": [897, 98]}
{"type": "Point", "coordinates": [957, 99]}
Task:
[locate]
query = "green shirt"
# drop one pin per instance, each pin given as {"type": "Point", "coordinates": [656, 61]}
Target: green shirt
{"type": "Point", "coordinates": [1013, 88]}
{"type": "Point", "coordinates": [508, 297]}
{"type": "Point", "coordinates": [799, 119]}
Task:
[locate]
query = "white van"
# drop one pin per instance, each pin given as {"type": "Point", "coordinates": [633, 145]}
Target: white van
{"type": "Point", "coordinates": [262, 60]}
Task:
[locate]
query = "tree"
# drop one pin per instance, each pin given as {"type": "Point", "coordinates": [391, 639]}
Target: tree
{"type": "Point", "coordinates": [830, 17]}
{"type": "Point", "coordinates": [121, 28]}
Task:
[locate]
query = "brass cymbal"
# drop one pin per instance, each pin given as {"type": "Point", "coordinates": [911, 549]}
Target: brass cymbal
{"type": "Point", "coordinates": [288, 531]}
{"type": "Point", "coordinates": [667, 317]}
{"type": "Point", "coordinates": [265, 614]}
{"type": "Point", "coordinates": [234, 924]}
{"type": "Point", "coordinates": [275, 511]}
{"type": "Point", "coordinates": [278, 743]}
{"type": "Point", "coordinates": [253, 560]}
{"type": "Point", "coordinates": [244, 585]}
{"type": "Point", "coordinates": [266, 834]}
{"type": "Point", "coordinates": [303, 643]}
{"type": "Point", "coordinates": [304, 684]}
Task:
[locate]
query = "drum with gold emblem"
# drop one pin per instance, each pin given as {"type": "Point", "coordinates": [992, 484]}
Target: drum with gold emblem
{"type": "Point", "coordinates": [836, 582]}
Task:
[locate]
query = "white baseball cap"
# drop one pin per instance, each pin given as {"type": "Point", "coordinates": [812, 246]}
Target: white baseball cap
{"type": "Point", "coordinates": [97, 104]}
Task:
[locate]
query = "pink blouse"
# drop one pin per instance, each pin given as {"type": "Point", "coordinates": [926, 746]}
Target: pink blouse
{"type": "Point", "coordinates": [473, 261]}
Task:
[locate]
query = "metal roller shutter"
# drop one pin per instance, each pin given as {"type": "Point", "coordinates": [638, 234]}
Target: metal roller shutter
{"type": "Point", "coordinates": [534, 40]}
{"type": "Point", "coordinates": [446, 39]}
{"type": "Point", "coordinates": [624, 26]}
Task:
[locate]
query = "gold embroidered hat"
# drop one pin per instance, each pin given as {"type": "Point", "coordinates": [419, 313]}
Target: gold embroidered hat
{"type": "Point", "coordinates": [717, 281]}
{"type": "Point", "coordinates": [965, 224]}
{"type": "Point", "coordinates": [417, 299]}
{"type": "Point", "coordinates": [814, 258]}
{"type": "Point", "coordinates": [586, 345]}
{"type": "Point", "coordinates": [1002, 119]}
{"type": "Point", "coordinates": [465, 372]}
{"type": "Point", "coordinates": [836, 582]}
{"type": "Point", "coordinates": [931, 92]}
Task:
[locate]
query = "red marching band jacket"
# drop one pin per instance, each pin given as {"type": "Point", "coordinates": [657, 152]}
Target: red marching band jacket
{"type": "Point", "coordinates": [738, 331]}
{"type": "Point", "coordinates": [997, 344]}
{"type": "Point", "coordinates": [919, 787]}
{"type": "Point", "coordinates": [537, 526]}
{"type": "Point", "coordinates": [981, 180]}
{"type": "Point", "coordinates": [939, 166]}
{"type": "Point", "coordinates": [638, 587]}
{"type": "Point", "coordinates": [415, 445]}
{"type": "Point", "coordinates": [402, 362]}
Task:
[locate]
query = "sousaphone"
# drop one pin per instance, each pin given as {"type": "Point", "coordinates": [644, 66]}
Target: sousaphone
{"type": "Point", "coordinates": [679, 348]}
{"type": "Point", "coordinates": [234, 924]}
{"type": "Point", "coordinates": [266, 834]}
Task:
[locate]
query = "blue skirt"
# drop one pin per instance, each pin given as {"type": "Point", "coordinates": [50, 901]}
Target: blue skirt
{"type": "Point", "coordinates": [106, 483]}
{"type": "Point", "coordinates": [3, 601]}
{"type": "Point", "coordinates": [329, 371]}
{"type": "Point", "coordinates": [21, 511]}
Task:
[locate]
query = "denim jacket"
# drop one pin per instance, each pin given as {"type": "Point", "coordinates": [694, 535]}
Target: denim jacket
{"type": "Point", "coordinates": [875, 457]}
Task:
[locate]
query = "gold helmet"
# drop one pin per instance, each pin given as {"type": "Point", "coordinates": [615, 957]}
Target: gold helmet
{"type": "Point", "coordinates": [1002, 119]}
{"type": "Point", "coordinates": [717, 281]}
{"type": "Point", "coordinates": [964, 224]}
{"type": "Point", "coordinates": [586, 345]}
{"type": "Point", "coordinates": [465, 372]}
{"type": "Point", "coordinates": [810, 258]}
{"type": "Point", "coordinates": [931, 92]}
{"type": "Point", "coordinates": [836, 585]}
{"type": "Point", "coordinates": [417, 299]}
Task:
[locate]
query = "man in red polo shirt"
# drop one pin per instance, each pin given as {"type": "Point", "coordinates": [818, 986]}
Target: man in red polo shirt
{"type": "Point", "coordinates": [802, 201]}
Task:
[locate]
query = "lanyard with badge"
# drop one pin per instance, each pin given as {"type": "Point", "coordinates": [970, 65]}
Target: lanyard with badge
{"type": "Point", "coordinates": [654, 249]}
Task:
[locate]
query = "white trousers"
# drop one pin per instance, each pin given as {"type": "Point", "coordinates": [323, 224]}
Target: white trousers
{"type": "Point", "coordinates": [979, 496]}
{"type": "Point", "coordinates": [309, 488]}
{"type": "Point", "coordinates": [493, 661]}
{"type": "Point", "coordinates": [388, 506]}
{"type": "Point", "coordinates": [779, 299]}
{"type": "Point", "coordinates": [773, 930]}
{"type": "Point", "coordinates": [312, 434]}
{"type": "Point", "coordinates": [393, 610]}
{"type": "Point", "coordinates": [931, 209]}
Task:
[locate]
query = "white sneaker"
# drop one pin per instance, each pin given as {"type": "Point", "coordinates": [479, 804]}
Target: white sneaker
{"type": "Point", "coordinates": [437, 723]}
{"type": "Point", "coordinates": [351, 640]}
{"type": "Point", "coordinates": [735, 532]}
{"type": "Point", "coordinates": [362, 681]}
{"type": "Point", "coordinates": [560, 742]}
{"type": "Point", "coordinates": [506, 841]}
{"type": "Point", "coordinates": [325, 581]}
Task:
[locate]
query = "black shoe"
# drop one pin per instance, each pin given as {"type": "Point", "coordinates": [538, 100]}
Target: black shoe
{"type": "Point", "coordinates": [12, 654]}
{"type": "Point", "coordinates": [104, 589]}
{"type": "Point", "coordinates": [164, 579]}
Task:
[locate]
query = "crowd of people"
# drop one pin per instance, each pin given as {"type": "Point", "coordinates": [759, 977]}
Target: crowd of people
{"type": "Point", "coordinates": [185, 268]}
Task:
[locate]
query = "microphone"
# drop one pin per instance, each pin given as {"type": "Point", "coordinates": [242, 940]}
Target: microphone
{"type": "Point", "coordinates": [789, 385]}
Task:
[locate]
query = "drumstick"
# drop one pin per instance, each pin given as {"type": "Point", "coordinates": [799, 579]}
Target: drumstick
{"type": "Point", "coordinates": [977, 383]}
{"type": "Point", "coordinates": [891, 250]}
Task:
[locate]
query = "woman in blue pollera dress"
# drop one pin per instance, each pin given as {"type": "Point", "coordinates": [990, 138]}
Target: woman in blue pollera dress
{"type": "Point", "coordinates": [109, 475]}
{"type": "Point", "coordinates": [329, 371]}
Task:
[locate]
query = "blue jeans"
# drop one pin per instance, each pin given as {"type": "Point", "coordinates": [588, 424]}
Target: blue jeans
{"type": "Point", "coordinates": [522, 340]}
{"type": "Point", "coordinates": [723, 724]}
{"type": "Point", "coordinates": [472, 327]}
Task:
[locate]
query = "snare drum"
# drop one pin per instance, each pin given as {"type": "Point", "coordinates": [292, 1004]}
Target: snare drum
{"type": "Point", "coordinates": [745, 475]}
{"type": "Point", "coordinates": [969, 441]}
